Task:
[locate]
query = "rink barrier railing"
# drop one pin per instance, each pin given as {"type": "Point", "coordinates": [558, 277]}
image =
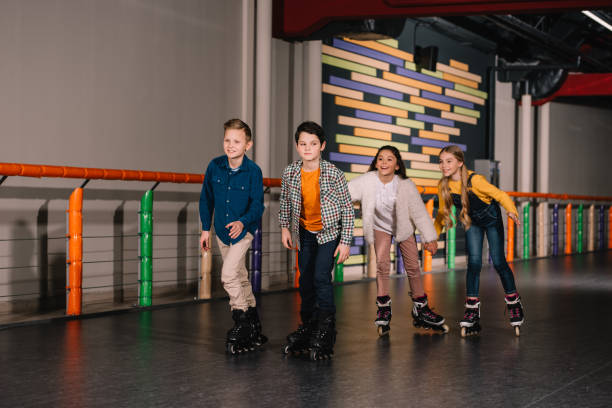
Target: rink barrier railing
{"type": "Point", "coordinates": [145, 283]}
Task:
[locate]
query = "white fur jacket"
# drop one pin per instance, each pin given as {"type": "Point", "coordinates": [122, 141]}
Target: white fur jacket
{"type": "Point", "coordinates": [410, 212]}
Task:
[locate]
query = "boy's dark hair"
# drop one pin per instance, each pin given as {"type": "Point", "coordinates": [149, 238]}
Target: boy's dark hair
{"type": "Point", "coordinates": [312, 128]}
{"type": "Point", "coordinates": [238, 124]}
{"type": "Point", "coordinates": [400, 162]}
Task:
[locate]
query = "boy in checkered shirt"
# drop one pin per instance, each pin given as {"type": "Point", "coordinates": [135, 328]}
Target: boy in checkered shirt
{"type": "Point", "coordinates": [316, 207]}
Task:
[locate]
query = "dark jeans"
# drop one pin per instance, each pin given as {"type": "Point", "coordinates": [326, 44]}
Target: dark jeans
{"type": "Point", "coordinates": [316, 263]}
{"type": "Point", "coordinates": [474, 239]}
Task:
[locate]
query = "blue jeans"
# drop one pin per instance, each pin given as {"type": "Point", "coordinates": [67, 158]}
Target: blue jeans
{"type": "Point", "coordinates": [474, 239]}
{"type": "Point", "coordinates": [316, 263]}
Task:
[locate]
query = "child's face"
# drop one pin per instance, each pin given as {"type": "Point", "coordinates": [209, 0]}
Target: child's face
{"type": "Point", "coordinates": [235, 143]}
{"type": "Point", "coordinates": [386, 163]}
{"type": "Point", "coordinates": [309, 147]}
{"type": "Point", "coordinates": [449, 165]}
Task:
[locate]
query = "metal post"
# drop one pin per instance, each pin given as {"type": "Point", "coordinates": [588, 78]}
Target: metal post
{"type": "Point", "coordinates": [74, 284]}
{"type": "Point", "coordinates": [510, 246]}
{"type": "Point", "coordinates": [450, 235]}
{"type": "Point", "coordinates": [145, 288]}
{"type": "Point", "coordinates": [256, 258]}
{"type": "Point", "coordinates": [579, 231]}
{"type": "Point", "coordinates": [555, 233]}
{"type": "Point", "coordinates": [568, 229]}
{"type": "Point", "coordinates": [338, 271]}
{"type": "Point", "coordinates": [526, 230]}
{"type": "Point", "coordinates": [591, 229]}
{"type": "Point", "coordinates": [602, 226]}
{"type": "Point", "coordinates": [427, 257]}
{"type": "Point", "coordinates": [399, 261]}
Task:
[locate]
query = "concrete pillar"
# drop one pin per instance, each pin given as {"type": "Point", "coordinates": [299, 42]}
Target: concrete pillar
{"type": "Point", "coordinates": [313, 81]}
{"type": "Point", "coordinates": [263, 79]}
{"type": "Point", "coordinates": [543, 185]}
{"type": "Point", "coordinates": [247, 55]}
{"type": "Point", "coordinates": [524, 160]}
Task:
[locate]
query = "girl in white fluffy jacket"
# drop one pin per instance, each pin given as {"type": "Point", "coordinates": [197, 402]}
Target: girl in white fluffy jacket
{"type": "Point", "coordinates": [392, 206]}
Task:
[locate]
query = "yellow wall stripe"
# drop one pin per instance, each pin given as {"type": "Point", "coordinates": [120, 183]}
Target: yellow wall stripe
{"type": "Point", "coordinates": [401, 105]}
{"type": "Point", "coordinates": [344, 64]}
{"type": "Point", "coordinates": [350, 149]}
{"type": "Point", "coordinates": [460, 118]}
{"type": "Point", "coordinates": [412, 82]}
{"type": "Point", "coordinates": [383, 83]}
{"type": "Point", "coordinates": [426, 174]}
{"type": "Point", "coordinates": [432, 151]}
{"type": "Point", "coordinates": [350, 56]}
{"type": "Point", "coordinates": [429, 103]}
{"type": "Point", "coordinates": [415, 156]}
{"type": "Point", "coordinates": [465, 111]}
{"type": "Point", "coordinates": [424, 166]}
{"type": "Point", "coordinates": [375, 134]}
{"type": "Point", "coordinates": [337, 90]}
{"type": "Point", "coordinates": [415, 124]}
{"type": "Point", "coordinates": [423, 182]}
{"type": "Point", "coordinates": [372, 107]}
{"type": "Point", "coordinates": [464, 96]}
{"type": "Point", "coordinates": [363, 141]}
{"type": "Point", "coordinates": [390, 42]}
{"type": "Point", "coordinates": [468, 90]}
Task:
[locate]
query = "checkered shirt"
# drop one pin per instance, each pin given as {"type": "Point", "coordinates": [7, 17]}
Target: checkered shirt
{"type": "Point", "coordinates": [337, 213]}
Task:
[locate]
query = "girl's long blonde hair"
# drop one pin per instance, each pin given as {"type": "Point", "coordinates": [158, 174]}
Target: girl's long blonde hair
{"type": "Point", "coordinates": [464, 218]}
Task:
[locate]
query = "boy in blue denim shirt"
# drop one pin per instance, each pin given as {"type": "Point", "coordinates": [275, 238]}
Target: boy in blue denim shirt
{"type": "Point", "coordinates": [233, 190]}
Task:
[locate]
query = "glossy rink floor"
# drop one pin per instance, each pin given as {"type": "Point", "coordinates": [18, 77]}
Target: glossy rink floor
{"type": "Point", "coordinates": [174, 357]}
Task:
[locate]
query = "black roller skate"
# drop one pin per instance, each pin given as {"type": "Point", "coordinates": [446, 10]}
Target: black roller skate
{"type": "Point", "coordinates": [323, 337]}
{"type": "Point", "coordinates": [425, 317]}
{"type": "Point", "coordinates": [383, 315]}
{"type": "Point", "coordinates": [257, 338]}
{"type": "Point", "coordinates": [299, 340]}
{"type": "Point", "coordinates": [470, 324]}
{"type": "Point", "coordinates": [515, 310]}
{"type": "Point", "coordinates": [239, 337]}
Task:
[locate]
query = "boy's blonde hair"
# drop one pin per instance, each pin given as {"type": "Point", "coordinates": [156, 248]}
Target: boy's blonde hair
{"type": "Point", "coordinates": [238, 124]}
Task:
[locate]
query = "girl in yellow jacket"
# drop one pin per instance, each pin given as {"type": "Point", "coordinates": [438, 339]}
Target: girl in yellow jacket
{"type": "Point", "coordinates": [477, 203]}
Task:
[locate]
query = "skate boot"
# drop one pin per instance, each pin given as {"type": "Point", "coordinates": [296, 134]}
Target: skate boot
{"type": "Point", "coordinates": [257, 338]}
{"type": "Point", "coordinates": [239, 337]}
{"type": "Point", "coordinates": [515, 310]}
{"type": "Point", "coordinates": [299, 340]}
{"type": "Point", "coordinates": [470, 324]}
{"type": "Point", "coordinates": [383, 315]}
{"type": "Point", "coordinates": [425, 317]}
{"type": "Point", "coordinates": [323, 337]}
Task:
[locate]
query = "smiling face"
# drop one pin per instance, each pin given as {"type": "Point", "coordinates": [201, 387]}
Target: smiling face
{"type": "Point", "coordinates": [235, 143]}
{"type": "Point", "coordinates": [309, 147]}
{"type": "Point", "coordinates": [386, 163]}
{"type": "Point", "coordinates": [450, 165]}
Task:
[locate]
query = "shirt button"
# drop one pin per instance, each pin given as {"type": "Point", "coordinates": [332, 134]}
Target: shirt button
{"type": "Point", "coordinates": [227, 201]}
{"type": "Point", "coordinates": [227, 215]}
{"type": "Point", "coordinates": [229, 188]}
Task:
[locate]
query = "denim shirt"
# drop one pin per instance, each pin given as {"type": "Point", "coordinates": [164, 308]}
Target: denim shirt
{"type": "Point", "coordinates": [233, 196]}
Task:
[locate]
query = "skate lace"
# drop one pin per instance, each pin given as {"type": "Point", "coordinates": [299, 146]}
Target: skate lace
{"type": "Point", "coordinates": [515, 312]}
{"type": "Point", "coordinates": [427, 312]}
{"type": "Point", "coordinates": [383, 313]}
{"type": "Point", "coordinates": [470, 314]}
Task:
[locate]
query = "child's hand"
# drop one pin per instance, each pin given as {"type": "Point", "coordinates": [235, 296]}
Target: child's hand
{"type": "Point", "coordinates": [342, 251]}
{"type": "Point", "coordinates": [205, 240]}
{"type": "Point", "coordinates": [286, 238]}
{"type": "Point", "coordinates": [431, 247]}
{"type": "Point", "coordinates": [514, 218]}
{"type": "Point", "coordinates": [235, 228]}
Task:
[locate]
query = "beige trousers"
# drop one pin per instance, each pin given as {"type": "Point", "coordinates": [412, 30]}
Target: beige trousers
{"type": "Point", "coordinates": [234, 274]}
{"type": "Point", "coordinates": [410, 256]}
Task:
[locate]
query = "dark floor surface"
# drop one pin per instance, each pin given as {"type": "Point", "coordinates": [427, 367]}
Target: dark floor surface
{"type": "Point", "coordinates": [174, 357]}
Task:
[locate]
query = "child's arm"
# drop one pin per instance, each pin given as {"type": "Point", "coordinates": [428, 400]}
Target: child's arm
{"type": "Point", "coordinates": [419, 215]}
{"type": "Point", "coordinates": [256, 208]}
{"type": "Point", "coordinates": [348, 218]}
{"type": "Point", "coordinates": [354, 187]}
{"type": "Point", "coordinates": [439, 221]}
{"type": "Point", "coordinates": [207, 205]}
{"type": "Point", "coordinates": [284, 214]}
{"type": "Point", "coordinates": [482, 186]}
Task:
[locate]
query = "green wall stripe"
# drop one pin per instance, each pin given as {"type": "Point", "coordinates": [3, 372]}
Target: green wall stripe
{"type": "Point", "coordinates": [466, 111]}
{"type": "Point", "coordinates": [424, 173]}
{"type": "Point", "coordinates": [401, 105]}
{"type": "Point", "coordinates": [351, 66]}
{"type": "Point", "coordinates": [415, 124]}
{"type": "Point", "coordinates": [364, 141]}
{"type": "Point", "coordinates": [390, 42]}
{"type": "Point", "coordinates": [471, 91]}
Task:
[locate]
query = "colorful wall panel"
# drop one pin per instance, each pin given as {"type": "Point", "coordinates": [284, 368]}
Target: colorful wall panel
{"type": "Point", "coordinates": [374, 95]}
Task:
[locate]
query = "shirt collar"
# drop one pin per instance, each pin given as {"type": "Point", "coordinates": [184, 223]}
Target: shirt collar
{"type": "Point", "coordinates": [243, 166]}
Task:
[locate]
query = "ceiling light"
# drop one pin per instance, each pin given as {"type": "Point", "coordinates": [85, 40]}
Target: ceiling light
{"type": "Point", "coordinates": [598, 19]}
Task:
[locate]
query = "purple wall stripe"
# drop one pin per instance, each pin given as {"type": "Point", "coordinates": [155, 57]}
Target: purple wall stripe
{"type": "Point", "coordinates": [434, 119]}
{"type": "Point", "coordinates": [359, 241]}
{"type": "Point", "coordinates": [334, 80]}
{"type": "Point", "coordinates": [349, 158]}
{"type": "Point", "coordinates": [372, 116]}
{"type": "Point", "coordinates": [424, 78]}
{"type": "Point", "coordinates": [358, 49]}
{"type": "Point", "coordinates": [447, 99]}
{"type": "Point", "coordinates": [434, 143]}
{"type": "Point", "coordinates": [356, 250]}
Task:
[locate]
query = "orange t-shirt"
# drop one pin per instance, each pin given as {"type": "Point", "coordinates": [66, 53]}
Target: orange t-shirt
{"type": "Point", "coordinates": [310, 213]}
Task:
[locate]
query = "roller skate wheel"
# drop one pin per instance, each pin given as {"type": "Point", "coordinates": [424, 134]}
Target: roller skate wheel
{"type": "Point", "coordinates": [463, 331]}
{"type": "Point", "coordinates": [517, 330]}
{"type": "Point", "coordinates": [231, 348]}
{"type": "Point", "coordinates": [445, 328]}
{"type": "Point", "coordinates": [286, 349]}
{"type": "Point", "coordinates": [314, 355]}
{"type": "Point", "coordinates": [383, 330]}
